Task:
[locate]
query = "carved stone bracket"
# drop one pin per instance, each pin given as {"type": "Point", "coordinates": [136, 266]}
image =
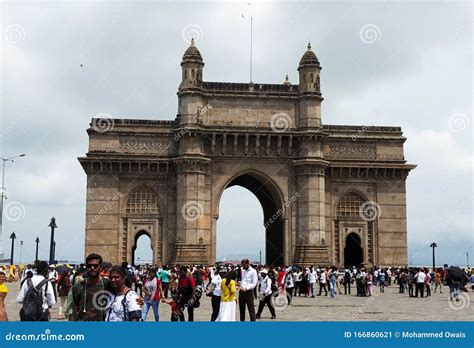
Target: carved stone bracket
{"type": "Point", "coordinates": [190, 164]}
{"type": "Point", "coordinates": [310, 166]}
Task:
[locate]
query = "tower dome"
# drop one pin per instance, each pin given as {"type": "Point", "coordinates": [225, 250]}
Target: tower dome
{"type": "Point", "coordinates": [192, 54]}
{"type": "Point", "coordinates": [309, 59]}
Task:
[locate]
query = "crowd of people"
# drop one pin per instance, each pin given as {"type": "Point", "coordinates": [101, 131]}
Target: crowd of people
{"type": "Point", "coordinates": [100, 291]}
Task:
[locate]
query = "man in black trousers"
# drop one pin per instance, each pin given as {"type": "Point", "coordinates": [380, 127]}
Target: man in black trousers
{"type": "Point", "coordinates": [248, 282]}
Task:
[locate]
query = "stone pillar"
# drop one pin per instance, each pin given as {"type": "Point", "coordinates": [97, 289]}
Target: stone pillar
{"type": "Point", "coordinates": [192, 211]}
{"type": "Point", "coordinates": [311, 247]}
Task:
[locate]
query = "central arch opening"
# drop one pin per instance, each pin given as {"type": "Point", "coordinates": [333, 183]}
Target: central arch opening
{"type": "Point", "coordinates": [353, 251]}
{"type": "Point", "coordinates": [142, 252]}
{"type": "Point", "coordinates": [271, 224]}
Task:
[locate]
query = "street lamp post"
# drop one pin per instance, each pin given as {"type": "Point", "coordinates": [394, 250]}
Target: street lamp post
{"type": "Point", "coordinates": [12, 237]}
{"type": "Point", "coordinates": [434, 245]}
{"type": "Point", "coordinates": [37, 242]}
{"type": "Point", "coordinates": [53, 225]}
{"type": "Point", "coordinates": [21, 247]}
{"type": "Point", "coordinates": [4, 196]}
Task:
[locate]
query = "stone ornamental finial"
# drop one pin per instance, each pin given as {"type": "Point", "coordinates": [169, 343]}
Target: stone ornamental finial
{"type": "Point", "coordinates": [192, 41]}
{"type": "Point", "coordinates": [309, 46]}
{"type": "Point", "coordinates": [287, 81]}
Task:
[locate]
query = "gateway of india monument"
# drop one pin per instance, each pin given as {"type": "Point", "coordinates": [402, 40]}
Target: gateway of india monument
{"type": "Point", "coordinates": [330, 194]}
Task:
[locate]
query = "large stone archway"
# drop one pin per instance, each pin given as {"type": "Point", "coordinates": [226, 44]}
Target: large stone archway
{"type": "Point", "coordinates": [268, 138]}
{"type": "Point", "coordinates": [274, 214]}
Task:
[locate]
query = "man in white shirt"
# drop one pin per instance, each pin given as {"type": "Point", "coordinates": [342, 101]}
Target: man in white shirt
{"type": "Point", "coordinates": [247, 284]}
{"type": "Point", "coordinates": [266, 294]}
{"type": "Point", "coordinates": [53, 276]}
{"type": "Point", "coordinates": [312, 276]}
{"type": "Point", "coordinates": [46, 292]}
{"type": "Point", "coordinates": [420, 282]}
{"type": "Point", "coordinates": [322, 282]}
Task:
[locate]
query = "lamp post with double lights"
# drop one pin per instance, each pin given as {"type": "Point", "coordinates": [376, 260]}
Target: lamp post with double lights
{"type": "Point", "coordinates": [4, 196]}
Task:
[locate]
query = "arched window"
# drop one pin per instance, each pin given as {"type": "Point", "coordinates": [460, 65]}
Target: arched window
{"type": "Point", "coordinates": [349, 205]}
{"type": "Point", "coordinates": [142, 201]}
{"type": "Point", "coordinates": [311, 78]}
{"type": "Point", "coordinates": [193, 74]}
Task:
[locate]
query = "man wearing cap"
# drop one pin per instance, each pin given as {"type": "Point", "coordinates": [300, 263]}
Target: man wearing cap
{"type": "Point", "coordinates": [248, 283]}
{"type": "Point", "coordinates": [266, 294]}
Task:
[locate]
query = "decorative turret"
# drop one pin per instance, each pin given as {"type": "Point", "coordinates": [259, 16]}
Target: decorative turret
{"type": "Point", "coordinates": [192, 65]}
{"type": "Point", "coordinates": [309, 69]}
{"type": "Point", "coordinates": [310, 90]}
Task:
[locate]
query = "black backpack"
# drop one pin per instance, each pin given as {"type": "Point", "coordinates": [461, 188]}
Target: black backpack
{"type": "Point", "coordinates": [32, 309]}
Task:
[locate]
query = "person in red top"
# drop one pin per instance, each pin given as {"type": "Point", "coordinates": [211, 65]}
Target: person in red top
{"type": "Point", "coordinates": [153, 293]}
{"type": "Point", "coordinates": [281, 274]}
{"type": "Point", "coordinates": [186, 292]}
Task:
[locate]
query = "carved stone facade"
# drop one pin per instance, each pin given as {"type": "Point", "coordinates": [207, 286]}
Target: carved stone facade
{"type": "Point", "coordinates": [330, 194]}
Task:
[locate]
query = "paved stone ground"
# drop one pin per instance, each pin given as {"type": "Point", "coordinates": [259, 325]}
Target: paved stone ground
{"type": "Point", "coordinates": [388, 306]}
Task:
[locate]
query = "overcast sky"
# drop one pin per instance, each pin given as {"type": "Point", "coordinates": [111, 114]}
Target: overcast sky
{"type": "Point", "coordinates": [384, 63]}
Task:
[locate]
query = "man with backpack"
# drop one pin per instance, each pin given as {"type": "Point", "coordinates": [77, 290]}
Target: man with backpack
{"type": "Point", "coordinates": [36, 295]}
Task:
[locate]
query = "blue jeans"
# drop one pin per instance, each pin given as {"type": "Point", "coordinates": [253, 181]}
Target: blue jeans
{"type": "Point", "coordinates": [146, 308]}
{"type": "Point", "coordinates": [332, 287]}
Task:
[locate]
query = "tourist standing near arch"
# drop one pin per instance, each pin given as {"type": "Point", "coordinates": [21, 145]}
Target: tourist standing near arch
{"type": "Point", "coordinates": [248, 282]}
